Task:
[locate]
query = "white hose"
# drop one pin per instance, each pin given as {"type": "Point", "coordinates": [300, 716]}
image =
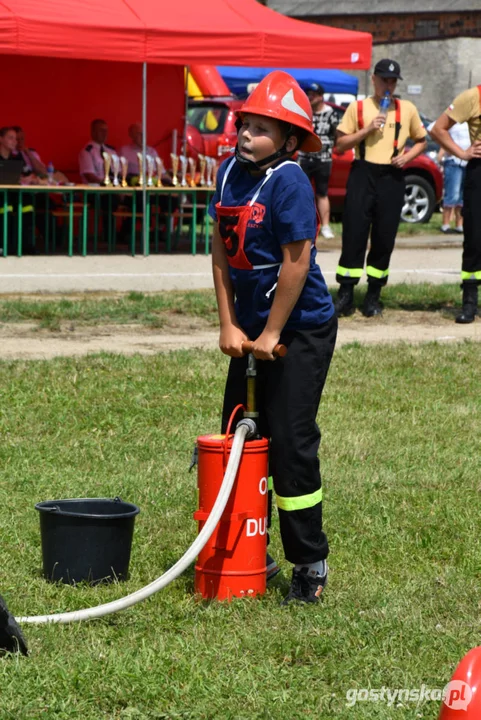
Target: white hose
{"type": "Point", "coordinates": [244, 429]}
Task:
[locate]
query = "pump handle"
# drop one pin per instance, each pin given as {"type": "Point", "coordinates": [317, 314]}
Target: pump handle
{"type": "Point", "coordinates": [279, 350]}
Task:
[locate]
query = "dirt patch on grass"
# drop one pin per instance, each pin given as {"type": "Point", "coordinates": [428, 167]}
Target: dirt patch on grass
{"type": "Point", "coordinates": [29, 341]}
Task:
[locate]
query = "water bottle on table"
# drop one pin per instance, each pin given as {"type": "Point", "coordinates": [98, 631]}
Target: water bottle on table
{"type": "Point", "coordinates": [384, 107]}
{"type": "Point", "coordinates": [50, 173]}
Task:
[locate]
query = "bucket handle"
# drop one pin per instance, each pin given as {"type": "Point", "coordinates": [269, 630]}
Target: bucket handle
{"type": "Point", "coordinates": [228, 432]}
{"type": "Point", "coordinates": [55, 508]}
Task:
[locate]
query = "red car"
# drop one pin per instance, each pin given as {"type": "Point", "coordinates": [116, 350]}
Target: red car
{"type": "Point", "coordinates": [214, 120]}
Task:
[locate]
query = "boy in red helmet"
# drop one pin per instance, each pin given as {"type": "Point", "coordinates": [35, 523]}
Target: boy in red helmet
{"type": "Point", "coordinates": [269, 289]}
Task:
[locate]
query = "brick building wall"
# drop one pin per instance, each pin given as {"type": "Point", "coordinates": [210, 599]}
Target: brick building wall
{"type": "Point", "coordinates": [433, 72]}
{"type": "Point", "coordinates": [437, 42]}
{"type": "Point", "coordinates": [404, 27]}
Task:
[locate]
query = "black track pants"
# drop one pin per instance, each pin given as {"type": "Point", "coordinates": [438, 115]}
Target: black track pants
{"type": "Point", "coordinates": [374, 200]}
{"type": "Point", "coordinates": [288, 394]}
{"type": "Point", "coordinates": [471, 267]}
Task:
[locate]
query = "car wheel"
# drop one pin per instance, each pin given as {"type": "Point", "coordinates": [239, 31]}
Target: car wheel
{"type": "Point", "coordinates": [419, 200]}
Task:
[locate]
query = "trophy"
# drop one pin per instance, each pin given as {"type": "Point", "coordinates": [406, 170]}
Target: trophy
{"type": "Point", "coordinates": [202, 162]}
{"type": "Point", "coordinates": [141, 169]}
{"type": "Point", "coordinates": [175, 168]}
{"type": "Point", "coordinates": [183, 170]}
{"type": "Point", "coordinates": [160, 171]}
{"type": "Point", "coordinates": [107, 161]}
{"type": "Point", "coordinates": [124, 169]}
{"type": "Point", "coordinates": [210, 166]}
{"type": "Point", "coordinates": [192, 168]}
{"type": "Point", "coordinates": [215, 167]}
{"type": "Point", "coordinates": [115, 169]}
{"type": "Point", "coordinates": [150, 170]}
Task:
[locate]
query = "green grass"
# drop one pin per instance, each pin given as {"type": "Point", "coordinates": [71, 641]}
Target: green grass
{"type": "Point", "coordinates": [160, 309]}
{"type": "Point", "coordinates": [401, 460]}
{"type": "Point", "coordinates": [133, 307]}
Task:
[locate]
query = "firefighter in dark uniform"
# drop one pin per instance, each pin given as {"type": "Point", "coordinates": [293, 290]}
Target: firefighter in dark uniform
{"type": "Point", "coordinates": [466, 107]}
{"type": "Point", "coordinates": [375, 189]}
{"type": "Point", "coordinates": [91, 160]}
{"type": "Point", "coordinates": [92, 168]}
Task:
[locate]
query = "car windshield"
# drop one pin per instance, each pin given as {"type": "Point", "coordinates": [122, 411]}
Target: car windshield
{"type": "Point", "coordinates": [207, 118]}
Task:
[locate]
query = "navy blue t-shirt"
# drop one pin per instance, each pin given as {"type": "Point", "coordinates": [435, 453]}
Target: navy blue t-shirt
{"type": "Point", "coordinates": [285, 212]}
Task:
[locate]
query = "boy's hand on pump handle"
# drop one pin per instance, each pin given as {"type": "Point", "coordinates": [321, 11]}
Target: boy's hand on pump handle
{"type": "Point", "coordinates": [235, 343]}
{"type": "Point", "coordinates": [231, 339]}
{"type": "Point", "coordinates": [264, 347]}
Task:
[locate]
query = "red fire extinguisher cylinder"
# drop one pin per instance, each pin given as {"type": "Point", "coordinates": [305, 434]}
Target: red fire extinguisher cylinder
{"type": "Point", "coordinates": [233, 562]}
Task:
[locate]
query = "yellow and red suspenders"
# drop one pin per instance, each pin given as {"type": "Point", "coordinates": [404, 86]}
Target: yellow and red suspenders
{"type": "Point", "coordinates": [397, 129]}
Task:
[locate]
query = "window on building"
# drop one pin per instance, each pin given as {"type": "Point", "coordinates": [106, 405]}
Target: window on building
{"type": "Point", "coordinates": [426, 29]}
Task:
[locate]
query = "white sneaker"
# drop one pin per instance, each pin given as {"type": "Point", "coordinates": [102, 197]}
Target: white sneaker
{"type": "Point", "coordinates": [326, 232]}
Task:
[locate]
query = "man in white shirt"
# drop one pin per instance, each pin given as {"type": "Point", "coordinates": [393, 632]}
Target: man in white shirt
{"type": "Point", "coordinates": [454, 174]}
{"type": "Point", "coordinates": [129, 152]}
{"type": "Point", "coordinates": [92, 168]}
{"type": "Point", "coordinates": [91, 161]}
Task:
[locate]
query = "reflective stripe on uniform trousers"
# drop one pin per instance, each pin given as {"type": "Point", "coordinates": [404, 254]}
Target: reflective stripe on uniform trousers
{"type": "Point", "coordinates": [349, 272]}
{"type": "Point", "coordinates": [471, 275]}
{"type": "Point", "coordinates": [300, 502]}
{"type": "Point", "coordinates": [374, 272]}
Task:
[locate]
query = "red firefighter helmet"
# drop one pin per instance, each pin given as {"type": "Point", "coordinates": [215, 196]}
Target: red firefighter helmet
{"type": "Point", "coordinates": [279, 96]}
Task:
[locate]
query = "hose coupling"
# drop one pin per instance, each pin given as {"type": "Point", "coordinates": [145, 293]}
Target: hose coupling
{"type": "Point", "coordinates": [251, 427]}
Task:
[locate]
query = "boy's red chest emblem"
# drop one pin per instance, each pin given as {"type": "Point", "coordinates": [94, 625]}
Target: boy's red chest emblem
{"type": "Point", "coordinates": [257, 214]}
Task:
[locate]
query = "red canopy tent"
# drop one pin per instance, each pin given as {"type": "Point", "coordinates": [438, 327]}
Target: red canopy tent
{"type": "Point", "coordinates": [214, 32]}
{"type": "Point", "coordinates": [55, 100]}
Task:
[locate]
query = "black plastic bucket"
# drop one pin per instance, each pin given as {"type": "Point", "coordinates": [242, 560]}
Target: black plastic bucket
{"type": "Point", "coordinates": [86, 538]}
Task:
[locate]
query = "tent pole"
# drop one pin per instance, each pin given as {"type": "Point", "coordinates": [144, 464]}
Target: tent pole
{"type": "Point", "coordinates": [186, 109]}
{"type": "Point", "coordinates": [145, 229]}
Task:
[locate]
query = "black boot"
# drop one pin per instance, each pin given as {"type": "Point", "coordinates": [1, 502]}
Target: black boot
{"type": "Point", "coordinates": [470, 303]}
{"type": "Point", "coordinates": [344, 304]}
{"type": "Point", "coordinates": [372, 306]}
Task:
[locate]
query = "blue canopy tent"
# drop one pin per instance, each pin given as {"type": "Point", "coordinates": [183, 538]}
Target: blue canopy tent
{"type": "Point", "coordinates": [333, 81]}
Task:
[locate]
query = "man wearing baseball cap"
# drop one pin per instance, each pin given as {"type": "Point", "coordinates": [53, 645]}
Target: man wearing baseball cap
{"type": "Point", "coordinates": [466, 107]}
{"type": "Point", "coordinates": [388, 69]}
{"type": "Point", "coordinates": [317, 165]}
{"type": "Point", "coordinates": [378, 128]}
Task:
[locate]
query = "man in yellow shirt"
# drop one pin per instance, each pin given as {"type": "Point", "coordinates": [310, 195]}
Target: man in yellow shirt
{"type": "Point", "coordinates": [466, 107]}
{"type": "Point", "coordinates": [375, 189]}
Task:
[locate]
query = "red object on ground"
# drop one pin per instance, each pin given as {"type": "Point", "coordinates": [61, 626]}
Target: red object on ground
{"type": "Point", "coordinates": [233, 563]}
{"type": "Point", "coordinates": [185, 32]}
{"type": "Point", "coordinates": [462, 695]}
